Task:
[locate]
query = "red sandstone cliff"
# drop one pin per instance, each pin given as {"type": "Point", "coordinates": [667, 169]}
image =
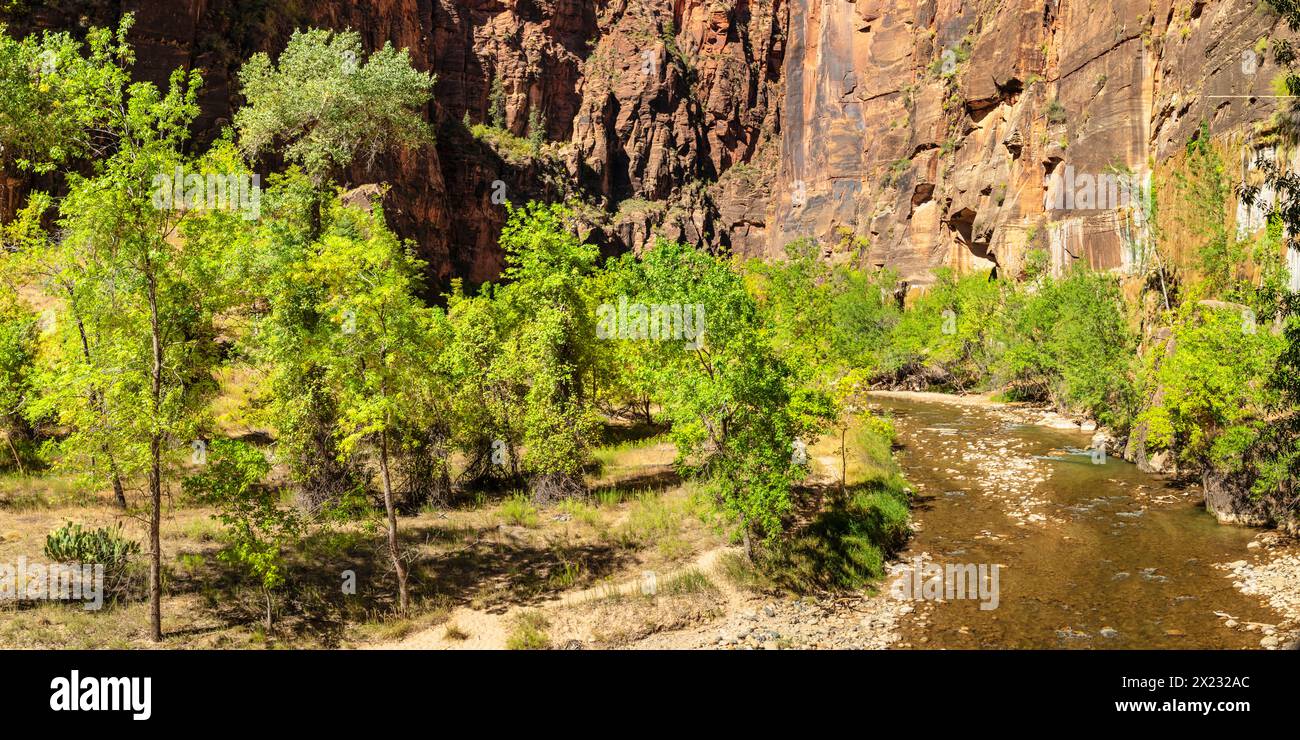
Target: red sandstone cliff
{"type": "Point", "coordinates": [922, 129]}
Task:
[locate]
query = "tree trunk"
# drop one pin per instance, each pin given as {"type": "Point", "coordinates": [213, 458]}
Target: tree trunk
{"type": "Point", "coordinates": [18, 459]}
{"type": "Point", "coordinates": [403, 596]}
{"type": "Point", "coordinates": [119, 492]}
{"type": "Point", "coordinates": [155, 473]}
{"type": "Point", "coordinates": [155, 547]}
{"type": "Point", "coordinates": [844, 464]}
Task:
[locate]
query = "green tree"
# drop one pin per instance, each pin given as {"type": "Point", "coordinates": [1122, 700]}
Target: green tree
{"type": "Point", "coordinates": [740, 416]}
{"type": "Point", "coordinates": [324, 103]}
{"type": "Point", "coordinates": [553, 335]}
{"type": "Point", "coordinates": [257, 527]}
{"type": "Point", "coordinates": [146, 297]}
{"type": "Point", "coordinates": [379, 350]}
{"type": "Point", "coordinates": [18, 332]}
{"type": "Point", "coordinates": [488, 390]}
{"type": "Point", "coordinates": [1213, 404]}
{"type": "Point", "coordinates": [54, 98]}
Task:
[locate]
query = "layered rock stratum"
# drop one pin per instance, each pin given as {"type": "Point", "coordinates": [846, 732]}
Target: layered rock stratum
{"type": "Point", "coordinates": [911, 134]}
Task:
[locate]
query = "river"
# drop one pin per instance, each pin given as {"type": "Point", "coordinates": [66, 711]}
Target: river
{"type": "Point", "coordinates": [1093, 554]}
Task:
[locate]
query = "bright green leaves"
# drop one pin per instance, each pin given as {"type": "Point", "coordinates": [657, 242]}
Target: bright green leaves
{"type": "Point", "coordinates": [53, 98]}
{"type": "Point", "coordinates": [740, 415]}
{"type": "Point", "coordinates": [324, 103]}
{"type": "Point", "coordinates": [376, 341]}
{"type": "Point", "coordinates": [549, 316]}
{"type": "Point", "coordinates": [1212, 385]}
{"type": "Point", "coordinates": [257, 526]}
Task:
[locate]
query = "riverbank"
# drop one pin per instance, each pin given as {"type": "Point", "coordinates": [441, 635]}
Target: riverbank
{"type": "Point", "coordinates": [1270, 571]}
{"type": "Point", "coordinates": [1270, 568]}
{"type": "Point", "coordinates": [1093, 552]}
{"type": "Point", "coordinates": [1114, 558]}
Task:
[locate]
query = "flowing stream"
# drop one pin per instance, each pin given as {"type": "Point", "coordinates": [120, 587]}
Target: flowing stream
{"type": "Point", "coordinates": [1092, 555]}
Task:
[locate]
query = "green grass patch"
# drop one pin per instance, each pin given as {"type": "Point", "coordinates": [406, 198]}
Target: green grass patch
{"type": "Point", "coordinates": [528, 632]}
{"type": "Point", "coordinates": [520, 511]}
{"type": "Point", "coordinates": [689, 581]}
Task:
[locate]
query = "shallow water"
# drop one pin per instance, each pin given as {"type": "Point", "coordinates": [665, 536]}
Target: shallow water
{"type": "Point", "coordinates": [1093, 555]}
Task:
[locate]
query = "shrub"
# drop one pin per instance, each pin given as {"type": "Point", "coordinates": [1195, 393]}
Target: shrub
{"type": "Point", "coordinates": [103, 546]}
{"type": "Point", "coordinates": [946, 336]}
{"type": "Point", "coordinates": [519, 510]}
{"type": "Point", "coordinates": [1214, 391]}
{"type": "Point", "coordinates": [1056, 112]}
{"type": "Point", "coordinates": [844, 547]}
{"type": "Point", "coordinates": [1069, 342]}
{"type": "Point", "coordinates": [529, 632]}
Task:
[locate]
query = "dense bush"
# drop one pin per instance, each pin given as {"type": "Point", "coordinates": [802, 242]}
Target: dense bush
{"type": "Point", "coordinates": [1213, 395]}
{"type": "Point", "coordinates": [946, 334]}
{"type": "Point", "coordinates": [1068, 341]}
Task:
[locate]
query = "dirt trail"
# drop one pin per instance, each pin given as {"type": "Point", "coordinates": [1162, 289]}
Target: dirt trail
{"type": "Point", "coordinates": [723, 618]}
{"type": "Point", "coordinates": [489, 630]}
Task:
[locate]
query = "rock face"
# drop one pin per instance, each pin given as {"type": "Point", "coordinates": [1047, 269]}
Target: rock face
{"type": "Point", "coordinates": [956, 133]}
{"type": "Point", "coordinates": [1227, 497]}
{"type": "Point", "coordinates": [911, 134]}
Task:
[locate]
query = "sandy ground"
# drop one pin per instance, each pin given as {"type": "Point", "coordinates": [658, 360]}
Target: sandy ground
{"type": "Point", "coordinates": [621, 616]}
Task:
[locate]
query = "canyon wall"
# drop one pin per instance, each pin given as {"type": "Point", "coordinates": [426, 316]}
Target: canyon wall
{"type": "Point", "coordinates": [960, 133]}
{"type": "Point", "coordinates": [904, 133]}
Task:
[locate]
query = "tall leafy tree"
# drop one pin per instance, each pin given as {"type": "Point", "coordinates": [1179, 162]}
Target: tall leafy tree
{"type": "Point", "coordinates": [548, 268]}
{"type": "Point", "coordinates": [740, 415]}
{"type": "Point", "coordinates": [55, 94]}
{"type": "Point", "coordinates": [143, 297]}
{"type": "Point", "coordinates": [379, 350]}
{"type": "Point", "coordinates": [322, 105]}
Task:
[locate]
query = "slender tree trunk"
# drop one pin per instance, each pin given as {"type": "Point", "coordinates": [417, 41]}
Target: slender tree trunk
{"type": "Point", "coordinates": [155, 473]}
{"type": "Point", "coordinates": [403, 596]}
{"type": "Point", "coordinates": [266, 592]}
{"type": "Point", "coordinates": [844, 464]}
{"type": "Point", "coordinates": [18, 460]}
{"type": "Point", "coordinates": [119, 492]}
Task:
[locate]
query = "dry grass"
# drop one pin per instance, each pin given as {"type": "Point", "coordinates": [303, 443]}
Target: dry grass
{"type": "Point", "coordinates": [640, 518]}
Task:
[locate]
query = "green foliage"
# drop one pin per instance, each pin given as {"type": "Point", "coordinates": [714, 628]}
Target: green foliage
{"type": "Point", "coordinates": [536, 130]}
{"type": "Point", "coordinates": [18, 346]}
{"type": "Point", "coordinates": [1056, 114]}
{"type": "Point", "coordinates": [134, 338]}
{"type": "Point", "coordinates": [519, 511]}
{"type": "Point", "coordinates": [497, 104]}
{"type": "Point", "coordinates": [735, 407]}
{"type": "Point", "coordinates": [257, 527]}
{"type": "Point", "coordinates": [1205, 188]}
{"type": "Point", "coordinates": [946, 332]}
{"type": "Point", "coordinates": [552, 322]}
{"type": "Point", "coordinates": [53, 98]}
{"type": "Point", "coordinates": [1213, 398]}
{"type": "Point", "coordinates": [103, 546]}
{"type": "Point", "coordinates": [1069, 342]}
{"type": "Point", "coordinates": [324, 103]}
{"type": "Point", "coordinates": [528, 631]}
{"type": "Point", "coordinates": [845, 546]}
